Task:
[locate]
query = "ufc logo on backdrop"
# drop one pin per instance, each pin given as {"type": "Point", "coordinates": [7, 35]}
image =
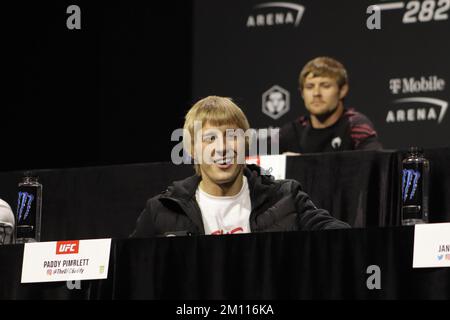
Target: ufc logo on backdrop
{"type": "Point", "coordinates": [67, 247]}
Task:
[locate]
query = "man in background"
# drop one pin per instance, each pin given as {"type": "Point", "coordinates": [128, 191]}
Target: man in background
{"type": "Point", "coordinates": [329, 126]}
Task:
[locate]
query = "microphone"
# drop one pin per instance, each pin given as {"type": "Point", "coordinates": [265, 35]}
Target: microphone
{"type": "Point", "coordinates": [177, 233]}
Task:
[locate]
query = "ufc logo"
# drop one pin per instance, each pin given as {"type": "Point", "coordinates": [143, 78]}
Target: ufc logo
{"type": "Point", "coordinates": [67, 247]}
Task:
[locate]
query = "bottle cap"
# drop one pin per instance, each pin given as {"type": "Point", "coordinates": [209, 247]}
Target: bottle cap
{"type": "Point", "coordinates": [30, 176]}
{"type": "Point", "coordinates": [29, 173]}
{"type": "Point", "coordinates": [415, 149]}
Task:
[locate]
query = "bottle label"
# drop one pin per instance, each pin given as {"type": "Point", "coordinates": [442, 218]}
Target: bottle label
{"type": "Point", "coordinates": [26, 212]}
{"type": "Point", "coordinates": [415, 179]}
{"type": "Point", "coordinates": [412, 184]}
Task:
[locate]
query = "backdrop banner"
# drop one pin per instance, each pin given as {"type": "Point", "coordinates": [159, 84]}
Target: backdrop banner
{"type": "Point", "coordinates": [396, 54]}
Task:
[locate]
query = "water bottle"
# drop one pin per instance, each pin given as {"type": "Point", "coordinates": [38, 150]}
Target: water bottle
{"type": "Point", "coordinates": [29, 209]}
{"type": "Point", "coordinates": [415, 187]}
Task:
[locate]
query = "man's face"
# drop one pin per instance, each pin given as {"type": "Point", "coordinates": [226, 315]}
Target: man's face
{"type": "Point", "coordinates": [322, 94]}
{"type": "Point", "coordinates": [219, 163]}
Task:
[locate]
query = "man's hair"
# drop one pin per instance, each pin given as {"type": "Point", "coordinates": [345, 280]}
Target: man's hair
{"type": "Point", "coordinates": [216, 111]}
{"type": "Point", "coordinates": [324, 67]}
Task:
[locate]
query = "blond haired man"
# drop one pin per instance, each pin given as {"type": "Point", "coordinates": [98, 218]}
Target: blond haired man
{"type": "Point", "coordinates": [226, 196]}
{"type": "Point", "coordinates": [329, 126]}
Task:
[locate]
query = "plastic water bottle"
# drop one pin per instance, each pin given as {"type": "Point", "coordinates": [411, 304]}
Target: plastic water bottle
{"type": "Point", "coordinates": [415, 187]}
{"type": "Point", "coordinates": [29, 209]}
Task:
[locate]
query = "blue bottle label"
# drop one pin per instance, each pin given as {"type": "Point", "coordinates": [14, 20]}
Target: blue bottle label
{"type": "Point", "coordinates": [412, 184]}
{"type": "Point", "coordinates": [26, 212]}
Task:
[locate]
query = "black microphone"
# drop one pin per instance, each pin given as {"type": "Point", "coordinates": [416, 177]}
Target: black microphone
{"type": "Point", "coordinates": [183, 233]}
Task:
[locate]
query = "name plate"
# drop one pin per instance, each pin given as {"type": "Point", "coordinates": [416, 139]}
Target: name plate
{"type": "Point", "coordinates": [66, 260]}
{"type": "Point", "coordinates": [274, 165]}
{"type": "Point", "coordinates": [431, 245]}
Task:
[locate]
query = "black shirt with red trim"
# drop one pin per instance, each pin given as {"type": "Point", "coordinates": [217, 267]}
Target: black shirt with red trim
{"type": "Point", "coordinates": [353, 131]}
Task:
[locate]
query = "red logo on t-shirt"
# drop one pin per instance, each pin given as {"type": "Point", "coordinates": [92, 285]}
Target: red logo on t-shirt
{"type": "Point", "coordinates": [235, 230]}
{"type": "Point", "coordinates": [253, 160]}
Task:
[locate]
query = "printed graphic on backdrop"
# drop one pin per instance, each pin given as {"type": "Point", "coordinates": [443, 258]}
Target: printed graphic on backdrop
{"type": "Point", "coordinates": [275, 13]}
{"type": "Point", "coordinates": [412, 11]}
{"type": "Point", "coordinates": [419, 103]}
{"type": "Point", "coordinates": [275, 102]}
{"type": "Point", "coordinates": [395, 53]}
{"type": "Point", "coordinates": [417, 107]}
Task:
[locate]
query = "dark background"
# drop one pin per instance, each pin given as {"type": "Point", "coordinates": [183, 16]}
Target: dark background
{"type": "Point", "coordinates": [109, 93]}
{"type": "Point", "coordinates": [113, 92]}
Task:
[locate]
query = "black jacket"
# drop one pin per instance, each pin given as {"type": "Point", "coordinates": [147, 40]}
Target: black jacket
{"type": "Point", "coordinates": [276, 206]}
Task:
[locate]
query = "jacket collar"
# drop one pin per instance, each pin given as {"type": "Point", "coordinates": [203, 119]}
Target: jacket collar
{"type": "Point", "coordinates": [184, 190]}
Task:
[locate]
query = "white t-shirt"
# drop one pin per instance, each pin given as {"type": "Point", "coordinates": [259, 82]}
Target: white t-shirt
{"type": "Point", "coordinates": [225, 215]}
